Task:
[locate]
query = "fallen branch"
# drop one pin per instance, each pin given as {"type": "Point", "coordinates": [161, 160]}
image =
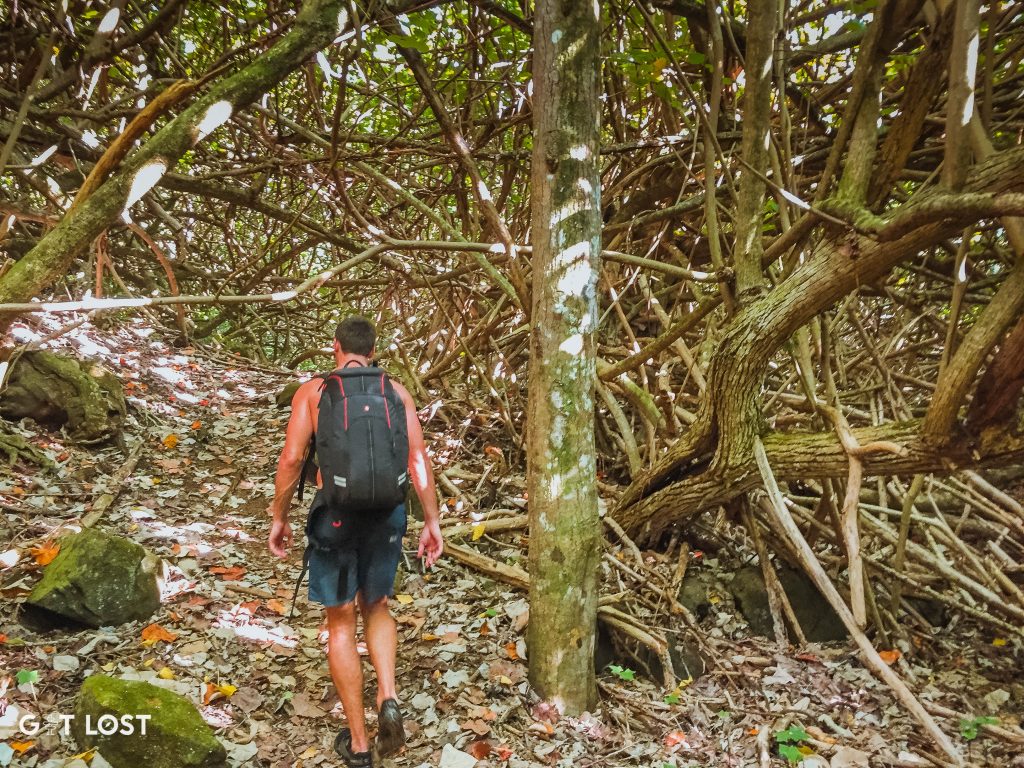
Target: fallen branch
{"type": "Point", "coordinates": [824, 584]}
{"type": "Point", "coordinates": [104, 502]}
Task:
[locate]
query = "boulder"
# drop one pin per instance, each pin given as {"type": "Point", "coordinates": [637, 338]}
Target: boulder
{"type": "Point", "coordinates": [98, 579]}
{"type": "Point", "coordinates": [818, 620]}
{"type": "Point", "coordinates": [82, 397]}
{"type": "Point", "coordinates": [175, 734]}
{"type": "Point", "coordinates": [287, 392]}
{"type": "Point", "coordinates": [698, 592]}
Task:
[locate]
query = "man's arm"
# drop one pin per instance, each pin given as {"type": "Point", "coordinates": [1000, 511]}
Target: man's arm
{"type": "Point", "coordinates": [422, 475]}
{"type": "Point", "coordinates": [289, 466]}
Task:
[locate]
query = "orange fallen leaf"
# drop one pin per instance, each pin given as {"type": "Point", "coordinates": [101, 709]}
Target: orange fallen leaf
{"type": "Point", "coordinates": [504, 753]}
{"type": "Point", "coordinates": [210, 693]}
{"type": "Point", "coordinates": [154, 633]}
{"type": "Point", "coordinates": [21, 747]}
{"type": "Point", "coordinates": [45, 552]}
{"type": "Point", "coordinates": [197, 424]}
{"type": "Point", "coordinates": [493, 450]}
{"type": "Point", "coordinates": [890, 657]}
{"type": "Point", "coordinates": [216, 691]}
{"type": "Point", "coordinates": [234, 573]}
{"type": "Point", "coordinates": [276, 606]}
{"type": "Point", "coordinates": [3, 638]}
{"type": "Point", "coordinates": [510, 649]}
{"type": "Point", "coordinates": [676, 739]}
{"type": "Point", "coordinates": [479, 749]}
{"type": "Point", "coordinates": [170, 441]}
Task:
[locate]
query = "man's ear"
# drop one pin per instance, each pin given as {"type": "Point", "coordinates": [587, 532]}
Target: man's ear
{"type": "Point", "coordinates": [337, 347]}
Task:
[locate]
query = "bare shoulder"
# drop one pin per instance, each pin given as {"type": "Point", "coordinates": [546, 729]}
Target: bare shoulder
{"type": "Point", "coordinates": [404, 394]}
{"type": "Point", "coordinates": [309, 391]}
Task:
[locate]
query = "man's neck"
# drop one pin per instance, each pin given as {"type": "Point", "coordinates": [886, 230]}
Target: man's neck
{"type": "Point", "coordinates": [343, 359]}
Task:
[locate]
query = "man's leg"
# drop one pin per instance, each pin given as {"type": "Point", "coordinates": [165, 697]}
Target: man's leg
{"type": "Point", "coordinates": [347, 670]}
{"type": "Point", "coordinates": [382, 644]}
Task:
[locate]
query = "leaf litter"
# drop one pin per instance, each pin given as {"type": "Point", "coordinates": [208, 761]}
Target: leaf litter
{"type": "Point", "coordinates": [198, 499]}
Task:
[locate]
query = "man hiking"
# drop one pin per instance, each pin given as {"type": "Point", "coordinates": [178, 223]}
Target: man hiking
{"type": "Point", "coordinates": [362, 425]}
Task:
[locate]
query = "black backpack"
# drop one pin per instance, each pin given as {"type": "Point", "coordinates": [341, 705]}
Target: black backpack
{"type": "Point", "coordinates": [362, 442]}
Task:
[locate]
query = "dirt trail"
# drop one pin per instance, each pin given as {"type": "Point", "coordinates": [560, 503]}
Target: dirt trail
{"type": "Point", "coordinates": [198, 498]}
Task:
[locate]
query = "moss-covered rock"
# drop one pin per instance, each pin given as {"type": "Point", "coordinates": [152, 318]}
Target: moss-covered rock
{"type": "Point", "coordinates": [82, 397]}
{"type": "Point", "coordinates": [98, 579]}
{"type": "Point", "coordinates": [287, 392]}
{"type": "Point", "coordinates": [176, 735]}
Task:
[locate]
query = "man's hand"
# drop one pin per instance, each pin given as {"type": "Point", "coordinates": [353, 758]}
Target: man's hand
{"type": "Point", "coordinates": [280, 537]}
{"type": "Point", "coordinates": [431, 543]}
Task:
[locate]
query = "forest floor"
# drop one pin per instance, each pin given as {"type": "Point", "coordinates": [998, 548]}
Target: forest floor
{"type": "Point", "coordinates": [198, 498]}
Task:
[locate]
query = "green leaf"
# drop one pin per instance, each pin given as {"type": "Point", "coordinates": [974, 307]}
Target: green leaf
{"type": "Point", "coordinates": [724, 714]}
{"type": "Point", "coordinates": [490, 613]}
{"type": "Point", "coordinates": [411, 41]}
{"type": "Point", "coordinates": [791, 753]}
{"type": "Point", "coordinates": [673, 698]}
{"type": "Point", "coordinates": [969, 728]}
{"type": "Point", "coordinates": [27, 676]}
{"type": "Point", "coordinates": [791, 735]}
{"type": "Point", "coordinates": [622, 672]}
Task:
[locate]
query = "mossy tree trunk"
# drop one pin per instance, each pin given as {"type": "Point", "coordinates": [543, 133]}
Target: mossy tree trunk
{"type": "Point", "coordinates": [565, 528]}
{"type": "Point", "coordinates": [316, 25]}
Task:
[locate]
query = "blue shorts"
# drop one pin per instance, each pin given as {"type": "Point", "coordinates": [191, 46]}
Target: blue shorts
{"type": "Point", "coordinates": [365, 562]}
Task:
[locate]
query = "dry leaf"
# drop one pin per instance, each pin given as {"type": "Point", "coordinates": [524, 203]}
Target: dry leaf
{"type": "Point", "coordinates": [890, 657]}
{"type": "Point", "coordinates": [170, 441]}
{"type": "Point", "coordinates": [478, 531]}
{"type": "Point", "coordinates": [276, 606]}
{"type": "Point", "coordinates": [234, 573]}
{"type": "Point", "coordinates": [21, 747]}
{"type": "Point", "coordinates": [197, 425]}
{"type": "Point", "coordinates": [479, 727]}
{"type": "Point", "coordinates": [510, 649]}
{"type": "Point", "coordinates": [479, 749]}
{"type": "Point", "coordinates": [165, 674]}
{"type": "Point", "coordinates": [404, 599]}
{"type": "Point", "coordinates": [154, 633]}
{"type": "Point", "coordinates": [45, 552]}
{"type": "Point", "coordinates": [676, 739]}
{"type": "Point", "coordinates": [305, 707]}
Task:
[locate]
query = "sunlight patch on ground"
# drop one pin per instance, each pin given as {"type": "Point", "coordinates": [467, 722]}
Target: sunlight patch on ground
{"type": "Point", "coordinates": [244, 625]}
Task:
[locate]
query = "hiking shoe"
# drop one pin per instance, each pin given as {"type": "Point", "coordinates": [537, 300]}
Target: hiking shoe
{"type": "Point", "coordinates": [390, 728]}
{"type": "Point", "coordinates": [343, 746]}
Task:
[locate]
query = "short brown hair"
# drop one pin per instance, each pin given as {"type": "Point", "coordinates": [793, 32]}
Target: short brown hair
{"type": "Point", "coordinates": [356, 335]}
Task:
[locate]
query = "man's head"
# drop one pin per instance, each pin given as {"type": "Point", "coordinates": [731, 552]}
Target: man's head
{"type": "Point", "coordinates": [355, 336]}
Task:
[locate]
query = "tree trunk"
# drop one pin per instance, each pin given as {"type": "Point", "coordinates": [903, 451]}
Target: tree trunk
{"type": "Point", "coordinates": [316, 25]}
{"type": "Point", "coordinates": [719, 446]}
{"type": "Point", "coordinates": [565, 529]}
{"type": "Point", "coordinates": [757, 113]}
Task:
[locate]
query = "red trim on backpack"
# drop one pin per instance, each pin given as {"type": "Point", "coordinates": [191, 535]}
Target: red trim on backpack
{"type": "Point", "coordinates": [345, 406]}
{"type": "Point", "coordinates": [387, 411]}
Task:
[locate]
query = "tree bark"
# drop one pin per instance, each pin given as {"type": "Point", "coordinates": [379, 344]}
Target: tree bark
{"type": "Point", "coordinates": [316, 25]}
{"type": "Point", "coordinates": [565, 528]}
{"type": "Point", "coordinates": [802, 456]}
{"type": "Point", "coordinates": [720, 442]}
{"type": "Point", "coordinates": [757, 107]}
